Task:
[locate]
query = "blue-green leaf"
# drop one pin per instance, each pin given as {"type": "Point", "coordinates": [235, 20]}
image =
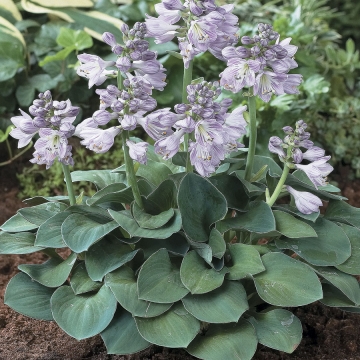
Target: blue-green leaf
{"type": "Point", "coordinates": [83, 316]}
{"type": "Point", "coordinates": [28, 297]}
{"type": "Point", "coordinates": [201, 205]}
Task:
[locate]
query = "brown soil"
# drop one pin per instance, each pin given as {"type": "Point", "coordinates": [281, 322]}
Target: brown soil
{"type": "Point", "coordinates": [329, 334]}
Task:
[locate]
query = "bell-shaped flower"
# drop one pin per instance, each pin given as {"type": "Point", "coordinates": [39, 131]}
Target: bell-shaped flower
{"type": "Point", "coordinates": [93, 68]}
{"type": "Point", "coordinates": [208, 132]}
{"type": "Point", "coordinates": [24, 130]}
{"type": "Point", "coordinates": [267, 83]}
{"type": "Point", "coordinates": [129, 122]}
{"type": "Point", "coordinates": [201, 34]}
{"type": "Point", "coordinates": [99, 140]}
{"type": "Point", "coordinates": [317, 171]}
{"type": "Point", "coordinates": [240, 73]}
{"type": "Point", "coordinates": [137, 151]}
{"type": "Point", "coordinates": [275, 146]}
{"type": "Point", "coordinates": [305, 202]}
{"type": "Point", "coordinates": [291, 83]}
{"type": "Point", "coordinates": [167, 147]}
{"type": "Point", "coordinates": [201, 159]}
{"type": "Point", "coordinates": [314, 153]}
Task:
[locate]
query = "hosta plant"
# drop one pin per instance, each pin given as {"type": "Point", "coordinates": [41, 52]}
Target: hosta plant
{"type": "Point", "coordinates": [186, 245]}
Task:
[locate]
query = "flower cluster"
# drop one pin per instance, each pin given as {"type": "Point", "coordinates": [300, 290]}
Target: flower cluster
{"type": "Point", "coordinates": [53, 122]}
{"type": "Point", "coordinates": [127, 106]}
{"type": "Point", "coordinates": [215, 130]}
{"type": "Point", "coordinates": [264, 64]}
{"type": "Point", "coordinates": [206, 26]}
{"type": "Point", "coordinates": [317, 169]}
{"type": "Point", "coordinates": [133, 56]}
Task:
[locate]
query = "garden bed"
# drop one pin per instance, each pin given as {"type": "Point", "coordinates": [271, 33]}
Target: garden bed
{"type": "Point", "coordinates": [329, 334]}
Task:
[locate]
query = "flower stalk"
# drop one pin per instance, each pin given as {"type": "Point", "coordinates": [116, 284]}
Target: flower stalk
{"type": "Point", "coordinates": [187, 81]}
{"type": "Point", "coordinates": [69, 184]}
{"type": "Point", "coordinates": [279, 186]}
{"type": "Point", "coordinates": [252, 135]}
{"type": "Point", "coordinates": [130, 171]}
{"type": "Point", "coordinates": [129, 164]}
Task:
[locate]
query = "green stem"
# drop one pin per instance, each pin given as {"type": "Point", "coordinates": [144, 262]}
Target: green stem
{"type": "Point", "coordinates": [279, 186]}
{"type": "Point", "coordinates": [9, 148]}
{"type": "Point", "coordinates": [119, 81]}
{"type": "Point", "coordinates": [187, 81]}
{"type": "Point", "coordinates": [253, 135]}
{"type": "Point", "coordinates": [17, 155]}
{"type": "Point", "coordinates": [130, 172]}
{"type": "Point", "coordinates": [69, 184]}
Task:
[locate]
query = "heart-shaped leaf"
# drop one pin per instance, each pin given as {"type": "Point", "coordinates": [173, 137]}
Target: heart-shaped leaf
{"type": "Point", "coordinates": [347, 284]}
{"type": "Point", "coordinates": [176, 244]}
{"type": "Point", "coordinates": [291, 227]}
{"type": "Point", "coordinates": [117, 192]}
{"type": "Point", "coordinates": [79, 232]}
{"type": "Point", "coordinates": [129, 224]}
{"type": "Point", "coordinates": [287, 282]}
{"type": "Point", "coordinates": [226, 184]}
{"type": "Point", "coordinates": [331, 247]}
{"type": "Point", "coordinates": [343, 212]}
{"type": "Point", "coordinates": [352, 264]}
{"type": "Point", "coordinates": [122, 337]}
{"type": "Point", "coordinates": [81, 282]}
{"type": "Point", "coordinates": [52, 273]}
{"type": "Point", "coordinates": [17, 223]}
{"type": "Point", "coordinates": [122, 283]}
{"type": "Point", "coordinates": [176, 328]}
{"type": "Point", "coordinates": [246, 260]}
{"type": "Point", "coordinates": [201, 205]}
{"type": "Point", "coordinates": [334, 297]}
{"type": "Point", "coordinates": [148, 221]}
{"type": "Point", "coordinates": [101, 178]}
{"type": "Point", "coordinates": [49, 233]}
{"type": "Point", "coordinates": [225, 304]}
{"type": "Point", "coordinates": [278, 329]}
{"type": "Point", "coordinates": [217, 244]}
{"type": "Point", "coordinates": [107, 255]}
{"type": "Point", "coordinates": [83, 316]}
{"type": "Point", "coordinates": [18, 243]}
{"type": "Point", "coordinates": [28, 297]}
{"type": "Point", "coordinates": [228, 341]}
{"type": "Point", "coordinates": [196, 275]}
{"type": "Point", "coordinates": [159, 280]}
{"type": "Point", "coordinates": [40, 213]}
{"type": "Point", "coordinates": [154, 172]}
{"type": "Point", "coordinates": [258, 219]}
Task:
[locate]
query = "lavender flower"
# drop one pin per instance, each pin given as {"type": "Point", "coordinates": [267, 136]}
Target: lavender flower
{"type": "Point", "coordinates": [98, 140]}
{"type": "Point", "coordinates": [262, 65]}
{"type": "Point", "coordinates": [276, 146]}
{"type": "Point", "coordinates": [53, 122]}
{"type": "Point", "coordinates": [306, 202]}
{"type": "Point", "coordinates": [206, 27]}
{"type": "Point", "coordinates": [133, 56]}
{"type": "Point", "coordinates": [318, 168]}
{"type": "Point", "coordinates": [24, 130]}
{"type": "Point", "coordinates": [317, 171]}
{"type": "Point", "coordinates": [93, 68]}
{"type": "Point", "coordinates": [138, 151]}
{"type": "Point", "coordinates": [216, 132]}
